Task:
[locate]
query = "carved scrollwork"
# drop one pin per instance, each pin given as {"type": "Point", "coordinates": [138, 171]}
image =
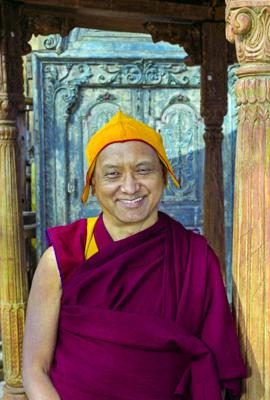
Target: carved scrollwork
{"type": "Point", "coordinates": [148, 73]}
{"type": "Point", "coordinates": [186, 36]}
{"type": "Point", "coordinates": [52, 42]}
{"type": "Point", "coordinates": [66, 81]}
{"type": "Point", "coordinates": [249, 28]}
{"type": "Point", "coordinates": [119, 74]}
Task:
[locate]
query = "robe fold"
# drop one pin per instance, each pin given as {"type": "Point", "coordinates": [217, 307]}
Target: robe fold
{"type": "Point", "coordinates": [145, 318]}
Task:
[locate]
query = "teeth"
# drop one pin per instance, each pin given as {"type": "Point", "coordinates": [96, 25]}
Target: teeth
{"type": "Point", "coordinates": [132, 201]}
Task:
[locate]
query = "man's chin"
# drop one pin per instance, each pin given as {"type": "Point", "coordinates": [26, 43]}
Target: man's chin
{"type": "Point", "coordinates": [132, 217]}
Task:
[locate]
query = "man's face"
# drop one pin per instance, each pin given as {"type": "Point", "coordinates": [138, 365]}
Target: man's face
{"type": "Point", "coordinates": [128, 182]}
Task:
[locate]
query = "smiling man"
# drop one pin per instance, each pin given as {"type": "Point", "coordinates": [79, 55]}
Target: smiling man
{"type": "Point", "coordinates": [129, 305]}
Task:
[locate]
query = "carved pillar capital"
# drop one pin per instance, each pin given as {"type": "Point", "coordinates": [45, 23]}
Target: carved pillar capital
{"type": "Point", "coordinates": [187, 36]}
{"type": "Point", "coordinates": [248, 27]}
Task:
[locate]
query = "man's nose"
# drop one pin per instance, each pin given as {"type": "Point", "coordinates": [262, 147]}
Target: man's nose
{"type": "Point", "coordinates": [129, 184]}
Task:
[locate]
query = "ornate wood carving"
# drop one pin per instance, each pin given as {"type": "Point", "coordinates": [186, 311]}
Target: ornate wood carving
{"type": "Point", "coordinates": [43, 25]}
{"type": "Point", "coordinates": [213, 109]}
{"type": "Point", "coordinates": [187, 36]}
{"type": "Point", "coordinates": [13, 290]}
{"type": "Point", "coordinates": [248, 27]}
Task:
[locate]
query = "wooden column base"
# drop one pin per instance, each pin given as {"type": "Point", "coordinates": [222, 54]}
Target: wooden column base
{"type": "Point", "coordinates": [13, 393]}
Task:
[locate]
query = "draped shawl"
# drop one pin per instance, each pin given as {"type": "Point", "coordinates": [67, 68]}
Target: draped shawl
{"type": "Point", "coordinates": [145, 318]}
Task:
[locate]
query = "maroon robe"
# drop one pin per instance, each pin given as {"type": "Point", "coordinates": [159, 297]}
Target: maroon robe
{"type": "Point", "coordinates": [146, 318]}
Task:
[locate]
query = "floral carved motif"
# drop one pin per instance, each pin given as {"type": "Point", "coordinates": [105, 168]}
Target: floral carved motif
{"type": "Point", "coordinates": [249, 28]}
{"type": "Point", "coordinates": [147, 72]}
{"type": "Point", "coordinates": [253, 99]}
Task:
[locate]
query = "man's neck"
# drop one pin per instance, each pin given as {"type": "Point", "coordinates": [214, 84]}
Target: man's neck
{"type": "Point", "coordinates": [120, 230]}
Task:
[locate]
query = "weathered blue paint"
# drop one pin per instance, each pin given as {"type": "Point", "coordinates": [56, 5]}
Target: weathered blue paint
{"type": "Point", "coordinates": [80, 82]}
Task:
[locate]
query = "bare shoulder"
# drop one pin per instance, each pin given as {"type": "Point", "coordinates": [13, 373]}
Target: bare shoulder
{"type": "Point", "coordinates": [42, 316]}
{"type": "Point", "coordinates": [48, 259]}
{"type": "Point", "coordinates": [47, 277]}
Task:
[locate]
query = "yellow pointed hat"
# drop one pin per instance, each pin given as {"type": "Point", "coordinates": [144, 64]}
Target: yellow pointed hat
{"type": "Point", "coordinates": [122, 128]}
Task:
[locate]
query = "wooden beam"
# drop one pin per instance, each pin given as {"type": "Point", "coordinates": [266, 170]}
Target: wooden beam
{"type": "Point", "coordinates": [121, 15]}
{"type": "Point", "coordinates": [130, 9]}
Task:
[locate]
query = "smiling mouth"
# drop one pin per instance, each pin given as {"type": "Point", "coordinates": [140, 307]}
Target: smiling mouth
{"type": "Point", "coordinates": [131, 202]}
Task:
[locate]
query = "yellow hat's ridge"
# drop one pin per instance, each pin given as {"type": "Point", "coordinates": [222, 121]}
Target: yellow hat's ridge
{"type": "Point", "coordinates": [122, 128]}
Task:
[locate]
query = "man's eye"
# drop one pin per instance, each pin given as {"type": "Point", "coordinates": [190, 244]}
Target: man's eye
{"type": "Point", "coordinates": [144, 171]}
{"type": "Point", "coordinates": [113, 174]}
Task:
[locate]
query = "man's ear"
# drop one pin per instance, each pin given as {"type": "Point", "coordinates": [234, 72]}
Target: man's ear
{"type": "Point", "coordinates": [93, 188]}
{"type": "Point", "coordinates": [164, 173]}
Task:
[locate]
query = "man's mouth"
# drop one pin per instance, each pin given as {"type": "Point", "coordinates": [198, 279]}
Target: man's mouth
{"type": "Point", "coordinates": [131, 202]}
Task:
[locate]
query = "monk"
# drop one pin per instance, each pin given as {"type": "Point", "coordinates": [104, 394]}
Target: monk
{"type": "Point", "coordinates": [129, 305]}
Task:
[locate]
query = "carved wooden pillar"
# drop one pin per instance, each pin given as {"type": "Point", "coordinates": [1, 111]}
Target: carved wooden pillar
{"type": "Point", "coordinates": [13, 290]}
{"type": "Point", "coordinates": [213, 109]}
{"type": "Point", "coordinates": [248, 24]}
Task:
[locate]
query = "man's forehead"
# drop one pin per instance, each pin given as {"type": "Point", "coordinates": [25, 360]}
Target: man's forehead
{"type": "Point", "coordinates": [127, 150]}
